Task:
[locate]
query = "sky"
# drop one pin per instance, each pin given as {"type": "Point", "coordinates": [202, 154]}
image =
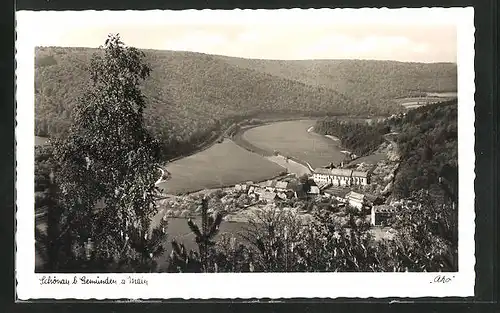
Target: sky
{"type": "Point", "coordinates": [417, 36]}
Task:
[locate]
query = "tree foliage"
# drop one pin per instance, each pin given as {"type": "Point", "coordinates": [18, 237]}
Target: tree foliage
{"type": "Point", "coordinates": [360, 138]}
{"type": "Point", "coordinates": [427, 234]}
{"type": "Point", "coordinates": [281, 240]}
{"type": "Point", "coordinates": [428, 148]}
{"type": "Point", "coordinates": [108, 163]}
{"type": "Point", "coordinates": [202, 260]}
{"type": "Point", "coordinates": [53, 244]}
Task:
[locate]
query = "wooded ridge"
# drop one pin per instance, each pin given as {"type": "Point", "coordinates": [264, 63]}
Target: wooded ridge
{"type": "Point", "coordinates": [192, 97]}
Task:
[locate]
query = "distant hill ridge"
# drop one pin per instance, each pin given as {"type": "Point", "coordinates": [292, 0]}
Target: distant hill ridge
{"type": "Point", "coordinates": [192, 95]}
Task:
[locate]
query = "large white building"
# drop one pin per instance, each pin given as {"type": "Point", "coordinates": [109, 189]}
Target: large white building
{"type": "Point", "coordinates": [340, 177]}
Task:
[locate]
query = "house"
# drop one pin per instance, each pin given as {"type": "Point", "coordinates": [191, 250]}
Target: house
{"type": "Point", "coordinates": [355, 199]}
{"type": "Point", "coordinates": [259, 190]}
{"type": "Point", "coordinates": [268, 196]}
{"type": "Point", "coordinates": [270, 185]}
{"type": "Point", "coordinates": [251, 190]}
{"type": "Point", "coordinates": [381, 213]}
{"type": "Point", "coordinates": [340, 177]}
{"type": "Point", "coordinates": [337, 193]}
{"type": "Point", "coordinates": [281, 186]}
{"type": "Point", "coordinates": [239, 187]}
{"type": "Point", "coordinates": [314, 190]}
{"type": "Point", "coordinates": [289, 188]}
{"type": "Point", "coordinates": [283, 195]}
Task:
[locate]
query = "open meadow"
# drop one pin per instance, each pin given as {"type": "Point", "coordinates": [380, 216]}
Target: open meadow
{"type": "Point", "coordinates": [291, 138]}
{"type": "Point", "coordinates": [435, 97]}
{"type": "Point", "coordinates": [221, 165]}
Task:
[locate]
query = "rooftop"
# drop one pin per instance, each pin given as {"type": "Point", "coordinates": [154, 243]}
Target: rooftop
{"type": "Point", "coordinates": [359, 174]}
{"type": "Point", "coordinates": [282, 185]}
{"type": "Point", "coordinates": [340, 172]}
{"type": "Point", "coordinates": [334, 171]}
{"type": "Point", "coordinates": [314, 190]}
{"type": "Point", "coordinates": [322, 171]}
{"type": "Point", "coordinates": [268, 195]}
{"type": "Point", "coordinates": [384, 208]}
{"type": "Point", "coordinates": [338, 192]}
{"type": "Point", "coordinates": [270, 183]}
{"type": "Point", "coordinates": [355, 195]}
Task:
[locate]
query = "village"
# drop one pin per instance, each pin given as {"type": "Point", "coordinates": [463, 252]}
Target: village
{"type": "Point", "coordinates": [362, 188]}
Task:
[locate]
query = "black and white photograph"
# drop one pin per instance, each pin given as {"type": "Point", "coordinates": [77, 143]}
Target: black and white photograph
{"type": "Point", "coordinates": [250, 144]}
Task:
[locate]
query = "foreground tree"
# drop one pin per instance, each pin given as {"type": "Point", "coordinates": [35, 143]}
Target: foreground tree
{"type": "Point", "coordinates": [108, 163]}
{"type": "Point", "coordinates": [53, 245]}
{"type": "Point", "coordinates": [427, 237]}
{"type": "Point", "coordinates": [202, 261]}
{"type": "Point", "coordinates": [274, 236]}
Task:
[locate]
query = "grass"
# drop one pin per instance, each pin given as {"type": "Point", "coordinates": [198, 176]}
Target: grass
{"type": "Point", "coordinates": [414, 101]}
{"type": "Point", "coordinates": [221, 165]}
{"type": "Point", "coordinates": [373, 158]}
{"type": "Point", "coordinates": [291, 138]}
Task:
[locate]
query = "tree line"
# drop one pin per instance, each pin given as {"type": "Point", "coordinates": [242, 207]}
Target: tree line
{"type": "Point", "coordinates": [428, 144]}
{"type": "Point", "coordinates": [358, 137]}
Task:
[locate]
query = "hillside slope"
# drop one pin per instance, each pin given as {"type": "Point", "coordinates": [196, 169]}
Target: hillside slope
{"type": "Point", "coordinates": [191, 96]}
{"type": "Point", "coordinates": [362, 81]}
{"type": "Point", "coordinates": [428, 146]}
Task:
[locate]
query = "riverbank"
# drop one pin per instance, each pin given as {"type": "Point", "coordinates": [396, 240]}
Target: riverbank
{"type": "Point", "coordinates": [348, 154]}
{"type": "Point", "coordinates": [290, 165]}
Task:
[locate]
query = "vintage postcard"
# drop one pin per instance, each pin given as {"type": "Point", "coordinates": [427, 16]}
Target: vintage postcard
{"type": "Point", "coordinates": [290, 153]}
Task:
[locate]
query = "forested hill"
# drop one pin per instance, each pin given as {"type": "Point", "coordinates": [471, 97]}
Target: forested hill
{"type": "Point", "coordinates": [363, 81]}
{"type": "Point", "coordinates": [428, 146]}
{"type": "Point", "coordinates": [191, 96]}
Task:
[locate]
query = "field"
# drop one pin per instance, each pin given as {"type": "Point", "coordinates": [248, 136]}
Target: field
{"type": "Point", "coordinates": [292, 166]}
{"type": "Point", "coordinates": [291, 138]}
{"type": "Point", "coordinates": [221, 165]}
{"type": "Point", "coordinates": [414, 102]}
{"type": "Point", "coordinates": [373, 158]}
